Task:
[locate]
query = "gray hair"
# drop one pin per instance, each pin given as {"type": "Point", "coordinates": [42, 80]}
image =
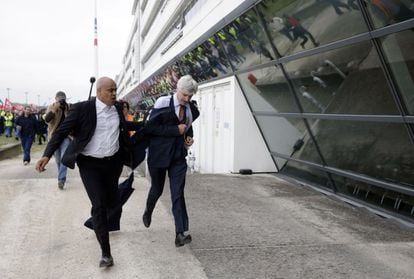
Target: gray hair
{"type": "Point", "coordinates": [187, 83]}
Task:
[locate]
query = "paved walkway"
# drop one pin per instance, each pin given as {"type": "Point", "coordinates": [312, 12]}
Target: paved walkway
{"type": "Point", "coordinates": [242, 226]}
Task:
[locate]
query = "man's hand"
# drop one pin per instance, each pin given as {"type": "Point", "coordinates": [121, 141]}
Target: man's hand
{"type": "Point", "coordinates": [181, 128]}
{"type": "Point", "coordinates": [41, 164]}
{"type": "Point", "coordinates": [189, 141]}
{"type": "Point", "coordinates": [55, 107]}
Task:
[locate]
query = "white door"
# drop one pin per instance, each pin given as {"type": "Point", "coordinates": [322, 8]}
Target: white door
{"type": "Point", "coordinates": [213, 145]}
{"type": "Point", "coordinates": [222, 141]}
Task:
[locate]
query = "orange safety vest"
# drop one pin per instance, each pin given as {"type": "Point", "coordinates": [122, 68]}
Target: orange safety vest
{"type": "Point", "coordinates": [130, 117]}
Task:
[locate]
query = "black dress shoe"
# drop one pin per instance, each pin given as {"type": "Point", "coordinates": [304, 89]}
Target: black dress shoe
{"type": "Point", "coordinates": [182, 239]}
{"type": "Point", "coordinates": [146, 219]}
{"type": "Point", "coordinates": [106, 261]}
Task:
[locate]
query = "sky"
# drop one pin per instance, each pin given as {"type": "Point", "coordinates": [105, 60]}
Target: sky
{"type": "Point", "coordinates": [47, 46]}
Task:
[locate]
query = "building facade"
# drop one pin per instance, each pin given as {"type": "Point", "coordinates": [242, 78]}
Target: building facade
{"type": "Point", "coordinates": [327, 85]}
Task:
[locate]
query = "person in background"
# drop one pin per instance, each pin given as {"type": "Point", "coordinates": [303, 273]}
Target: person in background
{"type": "Point", "coordinates": [27, 127]}
{"type": "Point", "coordinates": [8, 123]}
{"type": "Point", "coordinates": [127, 115]}
{"type": "Point", "coordinates": [299, 31]}
{"type": "Point", "coordinates": [54, 117]}
{"type": "Point", "coordinates": [1, 122]}
{"type": "Point", "coordinates": [41, 136]}
{"type": "Point", "coordinates": [16, 117]}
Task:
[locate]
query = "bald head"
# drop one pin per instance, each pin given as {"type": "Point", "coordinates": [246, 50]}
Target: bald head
{"type": "Point", "coordinates": [106, 90]}
{"type": "Point", "coordinates": [102, 81]}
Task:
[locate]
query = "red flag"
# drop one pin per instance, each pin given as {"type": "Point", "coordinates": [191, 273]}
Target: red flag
{"type": "Point", "coordinates": [19, 108]}
{"type": "Point", "coordinates": [33, 107]}
{"type": "Point", "coordinates": [7, 104]}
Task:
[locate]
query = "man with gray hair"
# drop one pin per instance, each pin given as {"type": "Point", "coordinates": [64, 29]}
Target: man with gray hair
{"type": "Point", "coordinates": [171, 134]}
{"type": "Point", "coordinates": [55, 114]}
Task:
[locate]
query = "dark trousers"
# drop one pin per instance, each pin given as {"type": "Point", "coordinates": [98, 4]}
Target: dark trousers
{"type": "Point", "coordinates": [41, 137]}
{"type": "Point", "coordinates": [301, 32]}
{"type": "Point", "coordinates": [26, 142]}
{"type": "Point", "coordinates": [176, 175]}
{"type": "Point", "coordinates": [100, 178]}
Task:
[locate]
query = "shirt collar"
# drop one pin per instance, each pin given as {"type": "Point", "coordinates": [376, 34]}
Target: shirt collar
{"type": "Point", "coordinates": [100, 106]}
{"type": "Point", "coordinates": [175, 99]}
{"type": "Point", "coordinates": [176, 102]}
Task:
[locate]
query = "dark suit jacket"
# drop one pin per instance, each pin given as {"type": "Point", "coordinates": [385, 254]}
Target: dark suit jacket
{"type": "Point", "coordinates": [166, 144]}
{"type": "Point", "coordinates": [81, 122]}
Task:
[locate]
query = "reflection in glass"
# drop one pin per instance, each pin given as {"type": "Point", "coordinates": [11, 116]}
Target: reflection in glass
{"type": "Point", "coordinates": [205, 61]}
{"type": "Point", "coordinates": [398, 49]}
{"type": "Point", "coordinates": [379, 150]}
{"type": "Point", "coordinates": [346, 80]}
{"type": "Point", "coordinates": [157, 85]}
{"type": "Point", "coordinates": [307, 173]}
{"type": "Point", "coordinates": [288, 136]}
{"type": "Point", "coordinates": [302, 24]}
{"type": "Point", "coordinates": [386, 12]}
{"type": "Point", "coordinates": [197, 64]}
{"type": "Point", "coordinates": [245, 42]}
{"type": "Point", "coordinates": [391, 200]}
{"type": "Point", "coordinates": [267, 90]}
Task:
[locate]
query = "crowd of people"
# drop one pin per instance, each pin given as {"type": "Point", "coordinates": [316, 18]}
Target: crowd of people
{"type": "Point", "coordinates": [25, 126]}
{"type": "Point", "coordinates": [8, 127]}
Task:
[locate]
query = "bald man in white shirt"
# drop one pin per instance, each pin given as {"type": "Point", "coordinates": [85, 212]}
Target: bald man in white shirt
{"type": "Point", "coordinates": [100, 135]}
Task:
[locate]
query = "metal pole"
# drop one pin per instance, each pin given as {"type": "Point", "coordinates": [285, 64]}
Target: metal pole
{"type": "Point", "coordinates": [95, 41]}
{"type": "Point", "coordinates": [8, 93]}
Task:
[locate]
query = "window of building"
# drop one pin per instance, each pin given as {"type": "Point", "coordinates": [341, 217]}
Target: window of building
{"type": "Point", "coordinates": [307, 173]}
{"type": "Point", "coordinates": [245, 42]}
{"type": "Point", "coordinates": [206, 61]}
{"type": "Point", "coordinates": [391, 200]}
{"type": "Point", "coordinates": [267, 90]}
{"type": "Point", "coordinates": [346, 80]}
{"type": "Point", "coordinates": [293, 142]}
{"type": "Point", "coordinates": [298, 25]}
{"type": "Point", "coordinates": [379, 150]}
{"type": "Point", "coordinates": [398, 49]}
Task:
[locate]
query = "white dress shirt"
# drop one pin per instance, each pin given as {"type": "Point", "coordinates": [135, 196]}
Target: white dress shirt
{"type": "Point", "coordinates": [105, 140]}
{"type": "Point", "coordinates": [164, 101]}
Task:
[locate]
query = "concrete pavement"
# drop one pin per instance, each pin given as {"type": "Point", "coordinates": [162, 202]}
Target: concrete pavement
{"type": "Point", "coordinates": [242, 226]}
{"type": "Point", "coordinates": [42, 232]}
